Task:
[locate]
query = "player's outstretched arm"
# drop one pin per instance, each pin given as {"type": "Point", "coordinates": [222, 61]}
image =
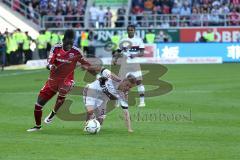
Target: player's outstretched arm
{"type": "Point", "coordinates": [94, 70]}
{"type": "Point", "coordinates": [116, 54]}
{"type": "Point", "coordinates": [91, 68]}
{"type": "Point", "coordinates": [127, 119]}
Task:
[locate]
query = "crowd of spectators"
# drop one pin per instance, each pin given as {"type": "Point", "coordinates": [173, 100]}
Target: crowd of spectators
{"type": "Point", "coordinates": [100, 17]}
{"type": "Point", "coordinates": [144, 13]}
{"type": "Point", "coordinates": [71, 11]}
{"type": "Point", "coordinates": [165, 13]}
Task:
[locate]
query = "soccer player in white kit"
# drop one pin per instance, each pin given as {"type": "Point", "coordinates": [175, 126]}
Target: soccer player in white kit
{"type": "Point", "coordinates": [130, 47]}
{"type": "Point", "coordinates": [107, 87]}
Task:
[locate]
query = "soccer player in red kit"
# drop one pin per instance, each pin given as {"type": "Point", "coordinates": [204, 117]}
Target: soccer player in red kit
{"type": "Point", "coordinates": [61, 63]}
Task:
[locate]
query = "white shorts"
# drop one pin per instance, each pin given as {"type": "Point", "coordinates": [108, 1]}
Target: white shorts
{"type": "Point", "coordinates": [94, 97]}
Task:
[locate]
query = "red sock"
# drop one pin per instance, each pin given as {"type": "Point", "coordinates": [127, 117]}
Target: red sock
{"type": "Point", "coordinates": [59, 102]}
{"type": "Point", "coordinates": [38, 114]}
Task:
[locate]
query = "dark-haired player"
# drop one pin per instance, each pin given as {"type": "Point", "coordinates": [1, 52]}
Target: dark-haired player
{"type": "Point", "coordinates": [61, 63]}
{"type": "Point", "coordinates": [131, 46]}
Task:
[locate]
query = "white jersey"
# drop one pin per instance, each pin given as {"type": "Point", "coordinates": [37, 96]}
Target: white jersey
{"type": "Point", "coordinates": [130, 68]}
{"type": "Point", "coordinates": [136, 42]}
{"type": "Point", "coordinates": [96, 94]}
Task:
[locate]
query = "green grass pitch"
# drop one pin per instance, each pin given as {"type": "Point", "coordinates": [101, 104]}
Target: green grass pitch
{"type": "Point", "coordinates": [198, 120]}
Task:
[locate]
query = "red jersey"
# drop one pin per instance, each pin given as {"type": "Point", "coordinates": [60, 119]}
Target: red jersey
{"type": "Point", "coordinates": [65, 62]}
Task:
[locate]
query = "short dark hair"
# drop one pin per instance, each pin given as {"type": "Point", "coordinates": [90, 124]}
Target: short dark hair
{"type": "Point", "coordinates": [69, 34]}
{"type": "Point", "coordinates": [132, 79]}
{"type": "Point", "coordinates": [131, 26]}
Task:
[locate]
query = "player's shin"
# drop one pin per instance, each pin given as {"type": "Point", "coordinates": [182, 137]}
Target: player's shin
{"type": "Point", "coordinates": [90, 115]}
{"type": "Point", "coordinates": [38, 114]}
{"type": "Point", "coordinates": [58, 104]}
{"type": "Point", "coordinates": [141, 91]}
{"type": "Point", "coordinates": [127, 119]}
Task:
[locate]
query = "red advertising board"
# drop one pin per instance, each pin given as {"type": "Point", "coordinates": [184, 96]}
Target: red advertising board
{"type": "Point", "coordinates": [149, 50]}
{"type": "Point", "coordinates": [221, 34]}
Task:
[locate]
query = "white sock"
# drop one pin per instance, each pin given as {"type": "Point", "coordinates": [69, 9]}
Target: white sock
{"type": "Point", "coordinates": [141, 91]}
{"type": "Point", "coordinates": [117, 103]}
{"type": "Point", "coordinates": [142, 99]}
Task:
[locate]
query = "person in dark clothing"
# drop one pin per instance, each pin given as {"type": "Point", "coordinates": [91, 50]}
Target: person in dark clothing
{"type": "Point", "coordinates": [2, 50]}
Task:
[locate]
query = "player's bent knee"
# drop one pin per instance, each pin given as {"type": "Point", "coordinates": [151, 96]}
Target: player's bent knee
{"type": "Point", "coordinates": [90, 113]}
{"type": "Point", "coordinates": [41, 101]}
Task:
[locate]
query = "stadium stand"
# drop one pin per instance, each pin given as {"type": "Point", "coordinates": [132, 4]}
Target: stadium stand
{"type": "Point", "coordinates": [115, 15]}
{"type": "Point", "coordinates": [143, 13]}
{"type": "Point", "coordinates": [26, 8]}
{"type": "Point", "coordinates": [185, 13]}
{"type": "Point", "coordinates": [99, 14]}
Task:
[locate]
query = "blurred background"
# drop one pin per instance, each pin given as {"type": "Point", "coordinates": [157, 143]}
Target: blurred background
{"type": "Point", "coordinates": [171, 29]}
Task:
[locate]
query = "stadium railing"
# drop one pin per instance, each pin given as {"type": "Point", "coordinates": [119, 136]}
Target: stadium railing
{"type": "Point", "coordinates": [149, 20]}
{"type": "Point", "coordinates": [63, 21]}
{"type": "Point", "coordinates": [173, 20]}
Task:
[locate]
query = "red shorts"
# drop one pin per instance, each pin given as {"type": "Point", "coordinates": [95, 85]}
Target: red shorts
{"type": "Point", "coordinates": [51, 87]}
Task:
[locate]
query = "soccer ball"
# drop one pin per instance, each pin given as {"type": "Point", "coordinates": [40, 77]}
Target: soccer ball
{"type": "Point", "coordinates": [92, 126]}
